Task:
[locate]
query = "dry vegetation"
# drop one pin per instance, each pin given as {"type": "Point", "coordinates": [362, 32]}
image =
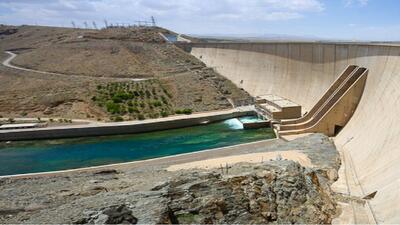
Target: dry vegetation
{"type": "Point", "coordinates": [111, 54]}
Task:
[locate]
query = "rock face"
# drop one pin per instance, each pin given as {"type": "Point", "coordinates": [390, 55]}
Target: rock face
{"type": "Point", "coordinates": [273, 193]}
{"type": "Point", "coordinates": [280, 192]}
{"type": "Point", "coordinates": [113, 215]}
{"type": "Point", "coordinates": [5, 30]}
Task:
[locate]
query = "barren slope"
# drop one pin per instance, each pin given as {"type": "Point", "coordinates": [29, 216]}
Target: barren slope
{"type": "Point", "coordinates": [110, 53]}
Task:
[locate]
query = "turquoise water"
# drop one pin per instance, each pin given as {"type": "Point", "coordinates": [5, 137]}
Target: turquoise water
{"type": "Point", "coordinates": [251, 119]}
{"type": "Point", "coordinates": [61, 154]}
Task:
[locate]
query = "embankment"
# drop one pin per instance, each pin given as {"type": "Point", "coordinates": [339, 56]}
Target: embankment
{"type": "Point", "coordinates": [88, 130]}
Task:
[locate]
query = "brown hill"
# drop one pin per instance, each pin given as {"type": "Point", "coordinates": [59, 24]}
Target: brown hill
{"type": "Point", "coordinates": [112, 53]}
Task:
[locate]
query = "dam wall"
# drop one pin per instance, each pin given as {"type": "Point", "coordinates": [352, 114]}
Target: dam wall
{"type": "Point", "coordinates": [302, 72]}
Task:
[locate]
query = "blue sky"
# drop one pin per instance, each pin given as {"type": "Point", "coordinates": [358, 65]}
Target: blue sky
{"type": "Point", "coordinates": [329, 19]}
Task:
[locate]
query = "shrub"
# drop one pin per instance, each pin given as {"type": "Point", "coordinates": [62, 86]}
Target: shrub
{"type": "Point", "coordinates": [148, 94]}
{"type": "Point", "coordinates": [164, 113]}
{"type": "Point", "coordinates": [187, 111]}
{"type": "Point", "coordinates": [118, 119]}
{"type": "Point", "coordinates": [141, 117]}
{"type": "Point", "coordinates": [167, 93]}
{"type": "Point", "coordinates": [157, 103]}
{"type": "Point", "coordinates": [184, 111]}
{"type": "Point", "coordinates": [133, 109]}
{"type": "Point", "coordinates": [117, 99]}
{"type": "Point", "coordinates": [113, 107]}
{"type": "Point", "coordinates": [154, 115]}
{"type": "Point", "coordinates": [51, 120]}
{"type": "Point", "coordinates": [94, 98]}
{"type": "Point", "coordinates": [164, 100]}
{"type": "Point", "coordinates": [99, 87]}
{"type": "Point", "coordinates": [11, 120]}
{"type": "Point", "coordinates": [123, 95]}
{"type": "Point", "coordinates": [24, 114]}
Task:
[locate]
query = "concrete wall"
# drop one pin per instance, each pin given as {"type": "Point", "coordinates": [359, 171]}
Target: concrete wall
{"type": "Point", "coordinates": [302, 72]}
{"type": "Point", "coordinates": [120, 128]}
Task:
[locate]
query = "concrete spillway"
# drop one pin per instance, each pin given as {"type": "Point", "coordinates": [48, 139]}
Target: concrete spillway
{"type": "Point", "coordinates": [302, 72]}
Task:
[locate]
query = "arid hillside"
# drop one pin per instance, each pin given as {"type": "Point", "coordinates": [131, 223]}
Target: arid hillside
{"type": "Point", "coordinates": [86, 60]}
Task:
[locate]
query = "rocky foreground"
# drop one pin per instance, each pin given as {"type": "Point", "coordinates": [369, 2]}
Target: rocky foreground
{"type": "Point", "coordinates": [282, 192]}
{"type": "Point", "coordinates": [276, 191]}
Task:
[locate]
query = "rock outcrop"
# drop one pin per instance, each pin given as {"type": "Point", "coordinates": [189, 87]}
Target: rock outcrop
{"type": "Point", "coordinates": [113, 215]}
{"type": "Point", "coordinates": [279, 192]}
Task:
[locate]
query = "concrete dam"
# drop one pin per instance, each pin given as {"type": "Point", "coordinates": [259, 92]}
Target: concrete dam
{"type": "Point", "coordinates": [369, 143]}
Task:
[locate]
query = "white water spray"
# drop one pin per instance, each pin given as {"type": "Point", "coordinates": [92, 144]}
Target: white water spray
{"type": "Point", "coordinates": [234, 124]}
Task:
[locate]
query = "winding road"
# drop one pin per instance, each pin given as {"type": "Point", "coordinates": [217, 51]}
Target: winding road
{"type": "Point", "coordinates": [7, 63]}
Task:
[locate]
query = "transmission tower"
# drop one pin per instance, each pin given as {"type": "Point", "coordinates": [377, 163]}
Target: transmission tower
{"type": "Point", "coordinates": [153, 21]}
{"type": "Point", "coordinates": [94, 25]}
{"type": "Point", "coordinates": [73, 24]}
{"type": "Point", "coordinates": [106, 23]}
{"type": "Point", "coordinates": [86, 25]}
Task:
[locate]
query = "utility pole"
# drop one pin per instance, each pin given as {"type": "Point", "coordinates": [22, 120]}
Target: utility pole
{"type": "Point", "coordinates": [106, 23]}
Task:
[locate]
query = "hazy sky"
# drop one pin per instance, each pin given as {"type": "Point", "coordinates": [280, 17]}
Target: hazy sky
{"type": "Point", "coordinates": [334, 19]}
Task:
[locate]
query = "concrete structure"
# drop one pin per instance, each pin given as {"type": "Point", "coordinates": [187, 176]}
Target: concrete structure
{"type": "Point", "coordinates": [13, 126]}
{"type": "Point", "coordinates": [256, 125]}
{"type": "Point", "coordinates": [278, 108]}
{"type": "Point", "coordinates": [131, 127]}
{"type": "Point", "coordinates": [334, 109]}
{"type": "Point", "coordinates": [301, 72]}
{"type": "Point", "coordinates": [172, 38]}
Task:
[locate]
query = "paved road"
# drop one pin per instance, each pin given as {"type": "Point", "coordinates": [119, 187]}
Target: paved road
{"type": "Point", "coordinates": [7, 63]}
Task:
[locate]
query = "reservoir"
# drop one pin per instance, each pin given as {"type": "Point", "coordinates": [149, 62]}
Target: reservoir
{"type": "Point", "coordinates": [61, 154]}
